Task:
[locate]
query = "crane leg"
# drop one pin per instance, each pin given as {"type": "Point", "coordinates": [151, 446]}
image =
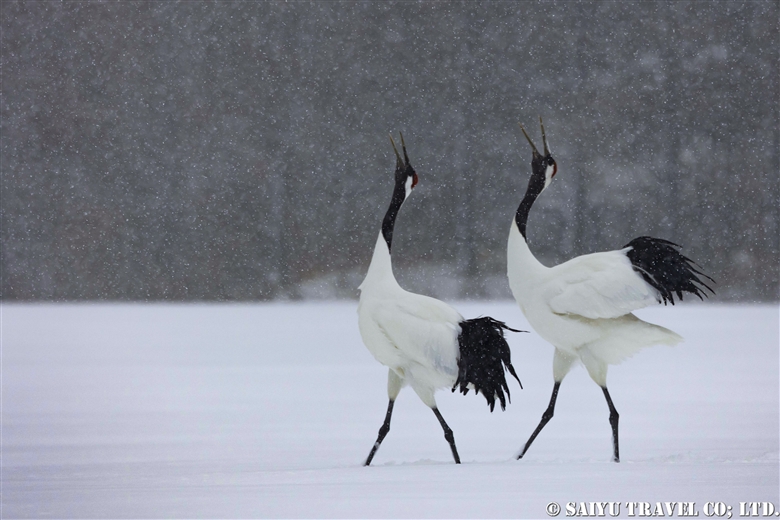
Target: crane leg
{"type": "Point", "coordinates": [546, 416]}
{"type": "Point", "coordinates": [447, 435]}
{"type": "Point", "coordinates": [613, 421]}
{"type": "Point", "coordinates": [382, 432]}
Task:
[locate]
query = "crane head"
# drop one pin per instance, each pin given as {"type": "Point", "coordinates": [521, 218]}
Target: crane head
{"type": "Point", "coordinates": [543, 166]}
{"type": "Point", "coordinates": [404, 173]}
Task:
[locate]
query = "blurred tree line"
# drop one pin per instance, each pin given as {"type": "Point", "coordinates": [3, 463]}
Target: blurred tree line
{"type": "Point", "coordinates": [239, 151]}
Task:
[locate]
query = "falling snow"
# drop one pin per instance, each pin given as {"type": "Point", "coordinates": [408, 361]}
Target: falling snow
{"type": "Point", "coordinates": [239, 151]}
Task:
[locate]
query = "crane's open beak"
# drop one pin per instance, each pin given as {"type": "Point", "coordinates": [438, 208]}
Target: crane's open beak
{"type": "Point", "coordinates": [533, 146]}
{"type": "Point", "coordinates": [544, 139]}
{"type": "Point", "coordinates": [399, 163]}
{"type": "Point", "coordinates": [403, 145]}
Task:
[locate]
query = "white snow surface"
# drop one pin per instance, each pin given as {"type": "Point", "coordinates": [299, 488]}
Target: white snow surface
{"type": "Point", "coordinates": [268, 410]}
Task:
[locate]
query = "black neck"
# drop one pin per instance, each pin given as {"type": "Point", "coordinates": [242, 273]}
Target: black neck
{"type": "Point", "coordinates": [535, 187]}
{"type": "Point", "coordinates": [399, 194]}
{"type": "Point", "coordinates": [521, 217]}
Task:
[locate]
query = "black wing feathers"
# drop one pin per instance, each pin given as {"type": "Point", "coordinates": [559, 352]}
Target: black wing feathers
{"type": "Point", "coordinates": [666, 269]}
{"type": "Point", "coordinates": [483, 355]}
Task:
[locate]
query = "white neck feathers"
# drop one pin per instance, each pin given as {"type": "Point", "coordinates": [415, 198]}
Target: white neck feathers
{"type": "Point", "coordinates": [408, 187]}
{"type": "Point", "coordinates": [380, 271]}
{"type": "Point", "coordinates": [521, 265]}
{"type": "Point", "coordinates": [549, 173]}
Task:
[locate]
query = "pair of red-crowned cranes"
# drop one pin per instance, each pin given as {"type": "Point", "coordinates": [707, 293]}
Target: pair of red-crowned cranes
{"type": "Point", "coordinates": [583, 307]}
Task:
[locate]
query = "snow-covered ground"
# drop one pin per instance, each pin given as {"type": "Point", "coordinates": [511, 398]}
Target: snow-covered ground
{"type": "Point", "coordinates": [268, 410]}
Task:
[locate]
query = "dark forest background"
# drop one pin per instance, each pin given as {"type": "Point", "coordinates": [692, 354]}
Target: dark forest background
{"type": "Point", "coordinates": [240, 151]}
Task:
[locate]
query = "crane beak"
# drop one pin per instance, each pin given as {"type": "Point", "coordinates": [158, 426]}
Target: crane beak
{"type": "Point", "coordinates": [544, 138]}
{"type": "Point", "coordinates": [403, 145]}
{"type": "Point", "coordinates": [533, 146]}
{"type": "Point", "coordinates": [398, 161]}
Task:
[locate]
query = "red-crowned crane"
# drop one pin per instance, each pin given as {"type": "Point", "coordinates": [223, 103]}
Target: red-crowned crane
{"type": "Point", "coordinates": [424, 342]}
{"type": "Point", "coordinates": [584, 306]}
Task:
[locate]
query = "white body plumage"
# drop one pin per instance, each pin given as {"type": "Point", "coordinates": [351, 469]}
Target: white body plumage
{"type": "Point", "coordinates": [415, 336]}
{"type": "Point", "coordinates": [583, 306]}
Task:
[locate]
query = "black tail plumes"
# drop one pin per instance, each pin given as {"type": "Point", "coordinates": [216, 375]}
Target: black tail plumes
{"type": "Point", "coordinates": [484, 354]}
{"type": "Point", "coordinates": [666, 269]}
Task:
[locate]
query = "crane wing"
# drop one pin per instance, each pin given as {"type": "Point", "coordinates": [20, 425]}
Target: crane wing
{"type": "Point", "coordinates": [424, 329]}
{"type": "Point", "coordinates": [599, 285]}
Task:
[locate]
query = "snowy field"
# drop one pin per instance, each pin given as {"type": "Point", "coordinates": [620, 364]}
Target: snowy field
{"type": "Point", "coordinates": [268, 410]}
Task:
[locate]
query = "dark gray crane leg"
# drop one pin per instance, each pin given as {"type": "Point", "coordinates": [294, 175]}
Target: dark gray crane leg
{"type": "Point", "coordinates": [613, 421]}
{"type": "Point", "coordinates": [447, 435]}
{"type": "Point", "coordinates": [382, 432]}
{"type": "Point", "coordinates": [546, 416]}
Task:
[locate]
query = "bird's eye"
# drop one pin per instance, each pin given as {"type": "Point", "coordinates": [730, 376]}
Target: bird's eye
{"type": "Point", "coordinates": [550, 161]}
